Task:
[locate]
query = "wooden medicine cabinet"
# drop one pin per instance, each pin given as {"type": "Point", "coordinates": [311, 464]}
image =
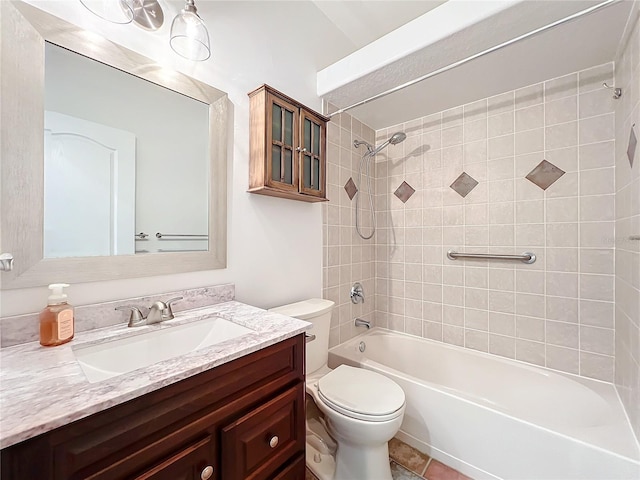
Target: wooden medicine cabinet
{"type": "Point", "coordinates": [287, 147]}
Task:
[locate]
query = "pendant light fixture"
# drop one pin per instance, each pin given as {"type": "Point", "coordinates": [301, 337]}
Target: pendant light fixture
{"type": "Point", "coordinates": [189, 36]}
{"type": "Point", "coordinates": [114, 11]}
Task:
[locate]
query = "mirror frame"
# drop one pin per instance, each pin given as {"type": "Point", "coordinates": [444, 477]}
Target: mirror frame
{"type": "Point", "coordinates": [24, 31]}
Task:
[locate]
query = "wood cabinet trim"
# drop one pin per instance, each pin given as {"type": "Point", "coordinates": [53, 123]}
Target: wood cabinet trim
{"type": "Point", "coordinates": [295, 173]}
{"type": "Point", "coordinates": [286, 97]}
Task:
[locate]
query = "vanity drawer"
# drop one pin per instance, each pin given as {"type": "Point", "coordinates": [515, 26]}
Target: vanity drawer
{"type": "Point", "coordinates": [294, 471]}
{"type": "Point", "coordinates": [257, 444]}
{"type": "Point", "coordinates": [188, 464]}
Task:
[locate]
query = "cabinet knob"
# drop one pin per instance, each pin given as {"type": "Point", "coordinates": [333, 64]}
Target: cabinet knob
{"type": "Point", "coordinates": [273, 442]}
{"type": "Point", "coordinates": [206, 472]}
{"type": "Point", "coordinates": [303, 150]}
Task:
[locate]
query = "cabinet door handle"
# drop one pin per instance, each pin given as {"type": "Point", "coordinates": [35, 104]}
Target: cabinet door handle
{"type": "Point", "coordinates": [273, 442]}
{"type": "Point", "coordinates": [303, 150]}
{"type": "Point", "coordinates": [206, 472]}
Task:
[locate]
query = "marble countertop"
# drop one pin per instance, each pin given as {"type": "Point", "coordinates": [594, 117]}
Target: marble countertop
{"type": "Point", "coordinates": [42, 388]}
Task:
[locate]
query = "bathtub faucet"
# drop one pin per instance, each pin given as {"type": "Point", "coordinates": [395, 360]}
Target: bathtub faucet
{"type": "Point", "coordinates": [363, 323]}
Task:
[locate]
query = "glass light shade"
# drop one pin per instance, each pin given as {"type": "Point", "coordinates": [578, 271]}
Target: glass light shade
{"type": "Point", "coordinates": [189, 36]}
{"type": "Point", "coordinates": [114, 11]}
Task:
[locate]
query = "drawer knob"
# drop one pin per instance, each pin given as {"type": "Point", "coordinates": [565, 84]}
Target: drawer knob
{"type": "Point", "coordinates": [207, 472]}
{"type": "Point", "coordinates": [273, 443]}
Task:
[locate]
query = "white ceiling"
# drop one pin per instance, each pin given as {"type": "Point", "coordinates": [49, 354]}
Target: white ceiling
{"type": "Point", "coordinates": [585, 42]}
{"type": "Point", "coordinates": [323, 34]}
{"type": "Point", "coordinates": [363, 21]}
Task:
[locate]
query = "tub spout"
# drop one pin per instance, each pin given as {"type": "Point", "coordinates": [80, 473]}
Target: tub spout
{"type": "Point", "coordinates": [363, 323]}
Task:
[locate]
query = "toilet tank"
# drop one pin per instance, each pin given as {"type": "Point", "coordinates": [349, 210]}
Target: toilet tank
{"type": "Point", "coordinates": [317, 311]}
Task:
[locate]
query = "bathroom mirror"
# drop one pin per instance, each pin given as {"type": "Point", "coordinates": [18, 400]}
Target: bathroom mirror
{"type": "Point", "coordinates": [141, 207]}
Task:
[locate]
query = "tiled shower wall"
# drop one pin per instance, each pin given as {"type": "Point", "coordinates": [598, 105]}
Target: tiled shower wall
{"type": "Point", "coordinates": [627, 278]}
{"type": "Point", "coordinates": [346, 258]}
{"type": "Point", "coordinates": [557, 312]}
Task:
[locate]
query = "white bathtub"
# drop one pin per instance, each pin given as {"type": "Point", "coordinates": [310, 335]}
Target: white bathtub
{"type": "Point", "coordinates": [490, 417]}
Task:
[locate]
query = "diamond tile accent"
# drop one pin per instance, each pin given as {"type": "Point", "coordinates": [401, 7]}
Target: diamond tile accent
{"type": "Point", "coordinates": [464, 184]}
{"type": "Point", "coordinates": [404, 192]}
{"type": "Point", "coordinates": [631, 149]}
{"type": "Point", "coordinates": [545, 174]}
{"type": "Point", "coordinates": [350, 188]}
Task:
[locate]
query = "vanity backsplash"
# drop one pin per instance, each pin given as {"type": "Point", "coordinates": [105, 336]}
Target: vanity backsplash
{"type": "Point", "coordinates": [25, 328]}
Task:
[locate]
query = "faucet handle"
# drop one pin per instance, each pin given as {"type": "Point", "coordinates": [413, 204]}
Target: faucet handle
{"type": "Point", "coordinates": [136, 317]}
{"type": "Point", "coordinates": [169, 310]}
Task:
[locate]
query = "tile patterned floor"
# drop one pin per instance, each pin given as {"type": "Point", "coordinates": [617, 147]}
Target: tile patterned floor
{"type": "Point", "coordinates": [407, 463]}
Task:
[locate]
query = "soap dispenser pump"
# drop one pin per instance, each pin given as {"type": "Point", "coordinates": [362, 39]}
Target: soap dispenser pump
{"type": "Point", "coordinates": [56, 321]}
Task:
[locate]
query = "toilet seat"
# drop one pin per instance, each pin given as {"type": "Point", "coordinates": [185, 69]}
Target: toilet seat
{"type": "Point", "coordinates": [361, 394]}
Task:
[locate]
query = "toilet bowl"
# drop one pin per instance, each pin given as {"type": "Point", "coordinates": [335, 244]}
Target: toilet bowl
{"type": "Point", "coordinates": [362, 409]}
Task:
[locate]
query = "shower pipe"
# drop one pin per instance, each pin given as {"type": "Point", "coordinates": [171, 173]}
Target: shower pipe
{"type": "Point", "coordinates": [371, 152]}
{"type": "Point", "coordinates": [477, 55]}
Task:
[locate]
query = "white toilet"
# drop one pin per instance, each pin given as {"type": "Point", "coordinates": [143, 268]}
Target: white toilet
{"type": "Point", "coordinates": [362, 409]}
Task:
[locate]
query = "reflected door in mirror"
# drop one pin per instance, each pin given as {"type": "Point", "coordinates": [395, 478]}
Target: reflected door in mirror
{"type": "Point", "coordinates": [89, 207]}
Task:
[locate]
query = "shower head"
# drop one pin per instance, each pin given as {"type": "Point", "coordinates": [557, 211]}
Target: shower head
{"type": "Point", "coordinates": [395, 139]}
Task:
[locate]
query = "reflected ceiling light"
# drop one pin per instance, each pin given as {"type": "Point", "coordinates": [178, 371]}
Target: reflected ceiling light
{"type": "Point", "coordinates": [189, 36]}
{"type": "Point", "coordinates": [147, 14]}
{"type": "Point", "coordinates": [114, 11]}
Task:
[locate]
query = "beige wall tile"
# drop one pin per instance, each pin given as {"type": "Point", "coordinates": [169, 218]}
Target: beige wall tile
{"type": "Point", "coordinates": [561, 111]}
{"type": "Point", "coordinates": [503, 346]}
{"type": "Point", "coordinates": [565, 359]}
{"type": "Point", "coordinates": [530, 328]}
{"type": "Point", "coordinates": [593, 103]}
{"type": "Point", "coordinates": [596, 366]}
{"type": "Point", "coordinates": [528, 96]}
{"type": "Point", "coordinates": [596, 129]}
{"type": "Point", "coordinates": [597, 340]}
{"type": "Point", "coordinates": [592, 78]}
{"type": "Point", "coordinates": [501, 103]}
{"type": "Point", "coordinates": [562, 334]}
{"type": "Point", "coordinates": [529, 141]}
{"type": "Point", "coordinates": [556, 312]}
{"type": "Point", "coordinates": [561, 135]}
{"type": "Point", "coordinates": [476, 340]}
{"type": "Point", "coordinates": [561, 87]}
{"type": "Point", "coordinates": [562, 309]}
{"type": "Point", "coordinates": [531, 352]}
{"type": "Point", "coordinates": [597, 155]}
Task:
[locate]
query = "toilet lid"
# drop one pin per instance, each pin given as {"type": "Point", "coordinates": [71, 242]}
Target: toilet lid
{"type": "Point", "coordinates": [361, 391]}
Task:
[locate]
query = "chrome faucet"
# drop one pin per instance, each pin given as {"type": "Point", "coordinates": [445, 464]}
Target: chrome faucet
{"type": "Point", "coordinates": [363, 323]}
{"type": "Point", "coordinates": [158, 312]}
{"type": "Point", "coordinates": [161, 311]}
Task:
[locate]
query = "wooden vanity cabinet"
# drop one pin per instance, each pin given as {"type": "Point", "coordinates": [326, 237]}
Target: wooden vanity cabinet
{"type": "Point", "coordinates": [241, 420]}
{"type": "Point", "coordinates": [287, 147]}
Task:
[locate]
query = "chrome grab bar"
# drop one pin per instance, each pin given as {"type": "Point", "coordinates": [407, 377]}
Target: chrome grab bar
{"type": "Point", "coordinates": [526, 257]}
{"type": "Point", "coordinates": [309, 337]}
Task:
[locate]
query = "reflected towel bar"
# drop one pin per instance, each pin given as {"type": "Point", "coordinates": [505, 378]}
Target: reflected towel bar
{"type": "Point", "coordinates": [526, 257]}
{"type": "Point", "coordinates": [163, 235]}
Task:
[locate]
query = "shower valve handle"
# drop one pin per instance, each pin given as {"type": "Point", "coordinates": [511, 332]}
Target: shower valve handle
{"type": "Point", "coordinates": [357, 293]}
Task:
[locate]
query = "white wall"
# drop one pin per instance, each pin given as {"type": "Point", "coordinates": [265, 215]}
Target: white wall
{"type": "Point", "coordinates": [274, 245]}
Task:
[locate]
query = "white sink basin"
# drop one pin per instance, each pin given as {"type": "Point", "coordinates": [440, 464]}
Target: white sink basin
{"type": "Point", "coordinates": [110, 359]}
